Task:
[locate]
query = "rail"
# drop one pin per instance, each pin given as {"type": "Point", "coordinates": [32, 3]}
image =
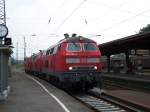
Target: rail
{"type": "Point", "coordinates": [124, 104]}
{"type": "Point", "coordinates": [98, 104]}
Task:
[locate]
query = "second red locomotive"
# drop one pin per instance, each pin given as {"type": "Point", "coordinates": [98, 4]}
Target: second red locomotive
{"type": "Point", "coordinates": [73, 62]}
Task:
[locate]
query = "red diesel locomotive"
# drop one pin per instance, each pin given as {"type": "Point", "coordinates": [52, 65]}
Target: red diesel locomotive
{"type": "Point", "coordinates": [73, 62]}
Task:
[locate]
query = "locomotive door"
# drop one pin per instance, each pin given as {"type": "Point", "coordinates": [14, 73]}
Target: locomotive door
{"type": "Point", "coordinates": [53, 63]}
{"type": "Point", "coordinates": [55, 55]}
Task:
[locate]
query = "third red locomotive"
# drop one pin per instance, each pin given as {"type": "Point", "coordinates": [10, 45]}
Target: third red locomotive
{"type": "Point", "coordinates": [73, 62]}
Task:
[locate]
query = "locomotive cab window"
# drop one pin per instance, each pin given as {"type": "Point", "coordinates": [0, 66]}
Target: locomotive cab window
{"type": "Point", "coordinates": [47, 52]}
{"type": "Point", "coordinates": [74, 47]}
{"type": "Point", "coordinates": [89, 47]}
{"type": "Point", "coordinates": [59, 48]}
{"type": "Point", "coordinates": [51, 51]}
{"type": "Point", "coordinates": [55, 50]}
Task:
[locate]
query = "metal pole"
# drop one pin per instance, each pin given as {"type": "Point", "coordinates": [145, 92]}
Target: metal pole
{"type": "Point", "coordinates": [3, 55]}
{"type": "Point", "coordinates": [1, 68]}
{"type": "Point", "coordinates": [24, 48]}
{"type": "Point", "coordinates": [4, 14]}
{"type": "Point", "coordinates": [17, 53]}
{"type": "Point", "coordinates": [108, 63]}
{"type": "Point", "coordinates": [0, 41]}
{"type": "Point", "coordinates": [2, 5]}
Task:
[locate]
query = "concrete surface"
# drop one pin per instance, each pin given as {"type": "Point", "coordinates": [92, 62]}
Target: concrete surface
{"type": "Point", "coordinates": [27, 96]}
{"type": "Point", "coordinates": [135, 97]}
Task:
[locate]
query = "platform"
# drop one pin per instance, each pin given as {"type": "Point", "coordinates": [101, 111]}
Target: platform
{"type": "Point", "coordinates": [131, 76]}
{"type": "Point", "coordinates": [135, 97]}
{"type": "Point", "coordinates": [28, 96]}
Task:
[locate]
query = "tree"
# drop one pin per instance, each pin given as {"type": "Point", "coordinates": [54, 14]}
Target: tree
{"type": "Point", "coordinates": [145, 29]}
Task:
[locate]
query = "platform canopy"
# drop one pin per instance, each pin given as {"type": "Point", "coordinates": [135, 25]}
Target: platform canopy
{"type": "Point", "coordinates": [123, 45]}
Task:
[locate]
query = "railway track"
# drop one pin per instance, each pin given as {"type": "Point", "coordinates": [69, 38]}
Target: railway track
{"type": "Point", "coordinates": [130, 106]}
{"type": "Point", "coordinates": [112, 85]}
{"type": "Point", "coordinates": [98, 104]}
{"type": "Point", "coordinates": [125, 104]}
{"type": "Point", "coordinates": [127, 84]}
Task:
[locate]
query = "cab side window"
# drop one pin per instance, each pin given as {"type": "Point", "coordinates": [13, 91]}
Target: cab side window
{"type": "Point", "coordinates": [59, 48]}
{"type": "Point", "coordinates": [47, 52]}
{"type": "Point", "coordinates": [51, 51]}
{"type": "Point", "coordinates": [55, 49]}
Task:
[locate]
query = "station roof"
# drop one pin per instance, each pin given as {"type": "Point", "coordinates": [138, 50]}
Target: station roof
{"type": "Point", "coordinates": [137, 41]}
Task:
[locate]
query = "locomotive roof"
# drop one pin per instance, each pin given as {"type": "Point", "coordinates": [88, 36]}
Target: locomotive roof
{"type": "Point", "coordinates": [77, 39]}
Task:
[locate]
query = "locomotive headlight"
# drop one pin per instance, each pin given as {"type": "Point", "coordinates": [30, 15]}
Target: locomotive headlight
{"type": "Point", "coordinates": [95, 67]}
{"type": "Point", "coordinates": [70, 68]}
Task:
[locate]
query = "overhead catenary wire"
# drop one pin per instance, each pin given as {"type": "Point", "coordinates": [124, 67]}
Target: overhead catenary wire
{"type": "Point", "coordinates": [63, 3]}
{"type": "Point", "coordinates": [70, 15]}
{"type": "Point", "coordinates": [126, 20]}
{"type": "Point", "coordinates": [118, 8]}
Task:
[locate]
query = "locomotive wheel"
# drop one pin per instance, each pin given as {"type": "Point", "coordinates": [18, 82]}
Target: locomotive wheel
{"type": "Point", "coordinates": [43, 76]}
{"type": "Point", "coordinates": [47, 78]}
{"type": "Point", "coordinates": [64, 86]}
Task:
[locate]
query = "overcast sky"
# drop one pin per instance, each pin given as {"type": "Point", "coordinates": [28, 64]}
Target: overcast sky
{"type": "Point", "coordinates": [50, 19]}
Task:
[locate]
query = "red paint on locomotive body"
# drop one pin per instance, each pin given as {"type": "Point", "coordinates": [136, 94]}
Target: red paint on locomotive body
{"type": "Point", "coordinates": [28, 64]}
{"type": "Point", "coordinates": [71, 60]}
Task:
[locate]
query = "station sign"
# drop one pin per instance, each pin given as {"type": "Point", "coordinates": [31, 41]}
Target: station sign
{"type": "Point", "coordinates": [132, 52]}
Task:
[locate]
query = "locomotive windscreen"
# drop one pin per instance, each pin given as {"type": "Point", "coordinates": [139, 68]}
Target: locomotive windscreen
{"type": "Point", "coordinates": [78, 47]}
{"type": "Point", "coordinates": [74, 47]}
{"type": "Point", "coordinates": [89, 47]}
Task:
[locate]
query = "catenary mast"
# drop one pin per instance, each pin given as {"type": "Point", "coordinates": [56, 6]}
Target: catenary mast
{"type": "Point", "coordinates": [2, 12]}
